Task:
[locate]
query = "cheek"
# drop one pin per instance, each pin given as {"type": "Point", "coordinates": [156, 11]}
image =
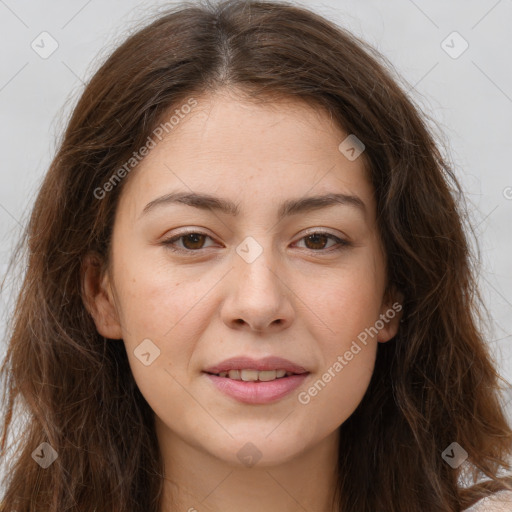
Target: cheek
{"type": "Point", "coordinates": [157, 306]}
{"type": "Point", "coordinates": [347, 299]}
{"type": "Point", "coordinates": [158, 300]}
{"type": "Point", "coordinates": [337, 389]}
{"type": "Point", "coordinates": [344, 376]}
{"type": "Point", "coordinates": [163, 317]}
{"type": "Point", "coordinates": [348, 303]}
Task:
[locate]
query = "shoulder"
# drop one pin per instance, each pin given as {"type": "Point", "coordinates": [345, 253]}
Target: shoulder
{"type": "Point", "coordinates": [498, 502]}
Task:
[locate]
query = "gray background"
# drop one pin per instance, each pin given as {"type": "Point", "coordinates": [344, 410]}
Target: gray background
{"type": "Point", "coordinates": [470, 97]}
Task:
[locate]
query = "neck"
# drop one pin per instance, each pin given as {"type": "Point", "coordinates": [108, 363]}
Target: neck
{"type": "Point", "coordinates": [197, 481]}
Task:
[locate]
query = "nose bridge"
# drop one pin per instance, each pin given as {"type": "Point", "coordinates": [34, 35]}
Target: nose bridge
{"type": "Point", "coordinates": [259, 296]}
{"type": "Point", "coordinates": [256, 261]}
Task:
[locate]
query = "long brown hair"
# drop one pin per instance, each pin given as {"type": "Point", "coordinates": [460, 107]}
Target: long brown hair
{"type": "Point", "coordinates": [433, 385]}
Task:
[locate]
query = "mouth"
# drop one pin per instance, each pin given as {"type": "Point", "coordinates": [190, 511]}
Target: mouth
{"type": "Point", "coordinates": [255, 387]}
{"type": "Point", "coordinates": [249, 375]}
{"type": "Point", "coordinates": [256, 381]}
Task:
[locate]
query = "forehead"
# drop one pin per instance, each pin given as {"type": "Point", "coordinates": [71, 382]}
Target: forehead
{"type": "Point", "coordinates": [232, 147]}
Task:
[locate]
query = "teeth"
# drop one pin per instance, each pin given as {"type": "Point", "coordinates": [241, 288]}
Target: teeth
{"type": "Point", "coordinates": [267, 375]}
{"type": "Point", "coordinates": [234, 374]}
{"type": "Point", "coordinates": [249, 375]}
{"type": "Point", "coordinates": [255, 375]}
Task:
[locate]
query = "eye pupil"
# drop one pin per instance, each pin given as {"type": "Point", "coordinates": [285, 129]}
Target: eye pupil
{"type": "Point", "coordinates": [192, 237]}
{"type": "Point", "coordinates": [314, 238]}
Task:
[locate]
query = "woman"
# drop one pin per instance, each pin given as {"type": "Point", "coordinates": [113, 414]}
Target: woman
{"type": "Point", "coordinates": [249, 287]}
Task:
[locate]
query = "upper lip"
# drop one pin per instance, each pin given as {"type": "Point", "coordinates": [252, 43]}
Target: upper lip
{"type": "Point", "coordinates": [247, 363]}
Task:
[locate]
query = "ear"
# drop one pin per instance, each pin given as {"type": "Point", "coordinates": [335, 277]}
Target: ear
{"type": "Point", "coordinates": [390, 315]}
{"type": "Point", "coordinates": [98, 297]}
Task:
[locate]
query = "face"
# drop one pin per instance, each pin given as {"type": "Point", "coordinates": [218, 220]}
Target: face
{"type": "Point", "coordinates": [190, 287]}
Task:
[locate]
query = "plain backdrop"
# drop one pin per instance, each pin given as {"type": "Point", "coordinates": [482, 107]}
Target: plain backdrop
{"type": "Point", "coordinates": [468, 91]}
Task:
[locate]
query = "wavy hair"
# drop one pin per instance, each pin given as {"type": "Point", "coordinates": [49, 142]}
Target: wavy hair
{"type": "Point", "coordinates": [434, 384]}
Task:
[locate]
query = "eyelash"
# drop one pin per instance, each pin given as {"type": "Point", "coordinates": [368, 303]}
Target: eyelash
{"type": "Point", "coordinates": [169, 242]}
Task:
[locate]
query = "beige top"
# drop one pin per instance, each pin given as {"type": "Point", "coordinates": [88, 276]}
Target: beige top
{"type": "Point", "coordinates": [498, 502]}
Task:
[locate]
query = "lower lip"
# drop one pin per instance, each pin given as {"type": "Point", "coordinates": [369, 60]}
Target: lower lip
{"type": "Point", "coordinates": [257, 392]}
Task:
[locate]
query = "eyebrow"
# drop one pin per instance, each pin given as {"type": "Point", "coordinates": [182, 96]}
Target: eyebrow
{"type": "Point", "coordinates": [289, 207]}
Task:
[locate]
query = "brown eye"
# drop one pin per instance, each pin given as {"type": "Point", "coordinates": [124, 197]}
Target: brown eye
{"type": "Point", "coordinates": [194, 242]}
{"type": "Point", "coordinates": [317, 242]}
{"type": "Point", "coordinates": [191, 242]}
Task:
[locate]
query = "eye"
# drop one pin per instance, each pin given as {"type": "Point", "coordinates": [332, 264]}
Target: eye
{"type": "Point", "coordinates": [193, 241]}
{"type": "Point", "coordinates": [319, 238]}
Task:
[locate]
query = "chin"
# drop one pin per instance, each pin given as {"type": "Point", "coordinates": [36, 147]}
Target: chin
{"type": "Point", "coordinates": [257, 450]}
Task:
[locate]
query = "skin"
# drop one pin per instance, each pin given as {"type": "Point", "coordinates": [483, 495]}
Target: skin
{"type": "Point", "coordinates": [205, 306]}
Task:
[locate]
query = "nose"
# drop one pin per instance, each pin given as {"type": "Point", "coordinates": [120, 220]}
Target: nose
{"type": "Point", "coordinates": [259, 295]}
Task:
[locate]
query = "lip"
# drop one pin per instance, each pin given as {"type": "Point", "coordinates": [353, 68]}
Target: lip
{"type": "Point", "coordinates": [257, 392]}
{"type": "Point", "coordinates": [247, 363]}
